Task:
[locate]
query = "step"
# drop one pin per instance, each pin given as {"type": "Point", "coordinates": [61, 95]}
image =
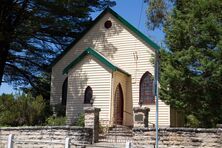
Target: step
{"type": "Point", "coordinates": [115, 137]}
{"type": "Point", "coordinates": [118, 139]}
{"type": "Point", "coordinates": [121, 127]}
{"type": "Point", "coordinates": [112, 145]}
{"type": "Point", "coordinates": [124, 130]}
{"type": "Point", "coordinates": [119, 134]}
{"type": "Point", "coordinates": [115, 131]}
{"type": "Point", "coordinates": [106, 145]}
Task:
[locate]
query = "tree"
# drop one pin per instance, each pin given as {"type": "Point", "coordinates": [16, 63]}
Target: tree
{"type": "Point", "coordinates": [33, 32]}
{"type": "Point", "coordinates": [42, 87]}
{"type": "Point", "coordinates": [191, 69]}
{"type": "Point", "coordinates": [22, 110]}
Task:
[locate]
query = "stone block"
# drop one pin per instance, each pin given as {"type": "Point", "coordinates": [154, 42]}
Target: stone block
{"type": "Point", "coordinates": [92, 121]}
{"type": "Point", "coordinates": [140, 117]}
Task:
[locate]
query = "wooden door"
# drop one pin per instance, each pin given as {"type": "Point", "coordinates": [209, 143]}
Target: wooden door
{"type": "Point", "coordinates": [118, 106]}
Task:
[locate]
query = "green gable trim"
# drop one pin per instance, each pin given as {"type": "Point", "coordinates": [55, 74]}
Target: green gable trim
{"type": "Point", "coordinates": [136, 31]}
{"type": "Point", "coordinates": [96, 55]}
{"type": "Point", "coordinates": [118, 17]}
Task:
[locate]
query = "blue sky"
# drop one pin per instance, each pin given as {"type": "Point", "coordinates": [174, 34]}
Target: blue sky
{"type": "Point", "coordinates": [131, 10]}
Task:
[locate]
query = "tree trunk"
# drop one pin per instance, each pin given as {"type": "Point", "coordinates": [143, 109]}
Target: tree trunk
{"type": "Point", "coordinates": [4, 51]}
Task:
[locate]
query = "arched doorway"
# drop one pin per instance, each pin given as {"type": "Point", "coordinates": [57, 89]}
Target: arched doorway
{"type": "Point", "coordinates": [118, 106]}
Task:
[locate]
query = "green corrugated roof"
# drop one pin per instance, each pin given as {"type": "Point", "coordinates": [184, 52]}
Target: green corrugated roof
{"type": "Point", "coordinates": [90, 51]}
{"type": "Point", "coordinates": [122, 20]}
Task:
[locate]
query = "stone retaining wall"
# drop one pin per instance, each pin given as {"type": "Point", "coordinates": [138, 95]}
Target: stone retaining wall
{"type": "Point", "coordinates": [41, 136]}
{"type": "Point", "coordinates": [178, 137]}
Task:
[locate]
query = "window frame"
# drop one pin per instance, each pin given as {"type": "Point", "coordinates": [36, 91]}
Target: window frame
{"type": "Point", "coordinates": [151, 98]}
{"type": "Point", "coordinates": [88, 100]}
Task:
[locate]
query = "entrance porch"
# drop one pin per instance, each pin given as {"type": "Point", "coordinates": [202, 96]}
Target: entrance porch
{"type": "Point", "coordinates": [121, 105]}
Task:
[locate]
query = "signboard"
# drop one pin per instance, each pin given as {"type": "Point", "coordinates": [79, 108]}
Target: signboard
{"type": "Point", "coordinates": [139, 117]}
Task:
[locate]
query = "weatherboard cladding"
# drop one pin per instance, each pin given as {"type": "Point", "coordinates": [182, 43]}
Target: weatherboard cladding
{"type": "Point", "coordinates": [88, 72]}
{"type": "Point", "coordinates": [121, 46]}
{"type": "Point", "coordinates": [95, 54]}
{"type": "Point", "coordinates": [122, 20]}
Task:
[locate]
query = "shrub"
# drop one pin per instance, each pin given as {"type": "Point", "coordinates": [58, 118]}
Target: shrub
{"type": "Point", "coordinates": [56, 121]}
{"type": "Point", "coordinates": [7, 110]}
{"type": "Point", "coordinates": [60, 110]}
{"type": "Point", "coordinates": [80, 121]}
{"type": "Point", "coordinates": [21, 110]}
{"type": "Point", "coordinates": [192, 121]}
{"type": "Point", "coordinates": [103, 129]}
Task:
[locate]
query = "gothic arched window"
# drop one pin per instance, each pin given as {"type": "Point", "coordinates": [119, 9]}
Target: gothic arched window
{"type": "Point", "coordinates": [88, 95]}
{"type": "Point", "coordinates": [146, 89]}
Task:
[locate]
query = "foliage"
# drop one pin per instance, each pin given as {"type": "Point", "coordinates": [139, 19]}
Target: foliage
{"type": "Point", "coordinates": [56, 121]}
{"type": "Point", "coordinates": [191, 69]}
{"type": "Point", "coordinates": [80, 121]}
{"type": "Point", "coordinates": [60, 110]}
{"type": "Point", "coordinates": [33, 32]}
{"type": "Point", "coordinates": [21, 110]}
{"type": "Point", "coordinates": [156, 13]}
{"type": "Point", "coordinates": [192, 121]}
{"type": "Point", "coordinates": [103, 129]}
{"type": "Point", "coordinates": [42, 87]}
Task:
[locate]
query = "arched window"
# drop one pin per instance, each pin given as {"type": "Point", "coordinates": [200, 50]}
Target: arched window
{"type": "Point", "coordinates": [146, 89]}
{"type": "Point", "coordinates": [64, 91]}
{"type": "Point", "coordinates": [88, 95]}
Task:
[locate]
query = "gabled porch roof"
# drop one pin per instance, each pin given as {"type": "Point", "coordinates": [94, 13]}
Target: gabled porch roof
{"type": "Point", "coordinates": [98, 56]}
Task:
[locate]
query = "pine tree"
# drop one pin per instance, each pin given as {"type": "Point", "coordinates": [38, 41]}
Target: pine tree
{"type": "Point", "coordinates": [191, 69]}
{"type": "Point", "coordinates": [33, 32]}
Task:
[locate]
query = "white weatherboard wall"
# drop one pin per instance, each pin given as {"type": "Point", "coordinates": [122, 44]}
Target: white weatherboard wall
{"type": "Point", "coordinates": [88, 72]}
{"type": "Point", "coordinates": [125, 49]}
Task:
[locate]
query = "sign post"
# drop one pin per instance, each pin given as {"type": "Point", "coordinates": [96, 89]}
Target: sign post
{"type": "Point", "coordinates": [157, 94]}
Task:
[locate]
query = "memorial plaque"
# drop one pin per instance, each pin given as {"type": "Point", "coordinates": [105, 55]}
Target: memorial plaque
{"type": "Point", "coordinates": [139, 117]}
